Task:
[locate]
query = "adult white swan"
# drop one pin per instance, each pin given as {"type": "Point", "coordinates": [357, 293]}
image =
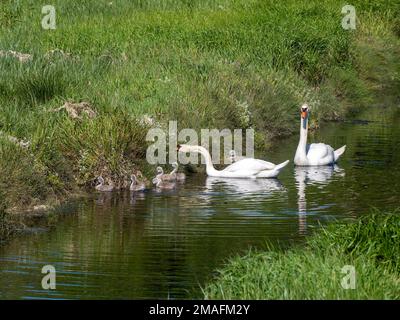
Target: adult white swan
{"type": "Point", "coordinates": [315, 154]}
{"type": "Point", "coordinates": [245, 168]}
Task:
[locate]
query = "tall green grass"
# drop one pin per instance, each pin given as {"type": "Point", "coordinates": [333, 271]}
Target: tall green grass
{"type": "Point", "coordinates": [207, 64]}
{"type": "Point", "coordinates": [371, 245]}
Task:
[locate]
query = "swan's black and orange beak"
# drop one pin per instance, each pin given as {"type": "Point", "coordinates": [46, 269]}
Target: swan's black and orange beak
{"type": "Point", "coordinates": [178, 147]}
{"type": "Point", "coordinates": [304, 113]}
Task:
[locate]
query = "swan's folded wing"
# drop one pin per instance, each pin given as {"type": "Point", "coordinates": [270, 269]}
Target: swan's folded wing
{"type": "Point", "coordinates": [250, 164]}
{"type": "Point", "coordinates": [317, 151]}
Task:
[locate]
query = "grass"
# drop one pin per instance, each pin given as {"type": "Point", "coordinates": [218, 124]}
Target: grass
{"type": "Point", "coordinates": [371, 244]}
{"type": "Point", "coordinates": [207, 64]}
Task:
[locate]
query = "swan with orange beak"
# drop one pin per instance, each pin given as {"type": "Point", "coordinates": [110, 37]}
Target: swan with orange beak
{"type": "Point", "coordinates": [315, 154]}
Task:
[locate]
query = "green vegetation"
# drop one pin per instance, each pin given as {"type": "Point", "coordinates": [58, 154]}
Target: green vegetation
{"type": "Point", "coordinates": [371, 245]}
{"type": "Point", "coordinates": [5, 226]}
{"type": "Point", "coordinates": [207, 64]}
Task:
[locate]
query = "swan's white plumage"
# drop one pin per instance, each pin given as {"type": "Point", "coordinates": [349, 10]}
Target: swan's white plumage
{"type": "Point", "coordinates": [272, 173]}
{"type": "Point", "coordinates": [255, 165]}
{"type": "Point", "coordinates": [339, 152]}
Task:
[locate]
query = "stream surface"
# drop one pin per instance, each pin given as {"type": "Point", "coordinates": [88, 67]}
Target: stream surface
{"type": "Point", "coordinates": [168, 244]}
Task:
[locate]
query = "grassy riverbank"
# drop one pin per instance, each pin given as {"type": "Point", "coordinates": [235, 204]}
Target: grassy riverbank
{"type": "Point", "coordinates": [207, 64]}
{"type": "Point", "coordinates": [371, 245]}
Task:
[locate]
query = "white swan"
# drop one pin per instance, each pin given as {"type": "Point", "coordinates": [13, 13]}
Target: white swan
{"type": "Point", "coordinates": [315, 154]}
{"type": "Point", "coordinates": [246, 168]}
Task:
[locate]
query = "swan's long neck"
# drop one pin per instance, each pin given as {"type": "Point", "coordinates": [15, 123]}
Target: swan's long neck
{"type": "Point", "coordinates": [160, 174]}
{"type": "Point", "coordinates": [175, 170]}
{"type": "Point", "coordinates": [301, 148]}
{"type": "Point", "coordinates": [209, 165]}
{"type": "Point", "coordinates": [159, 181]}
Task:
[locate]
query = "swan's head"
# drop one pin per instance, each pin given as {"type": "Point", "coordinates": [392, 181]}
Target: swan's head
{"type": "Point", "coordinates": [160, 170]}
{"type": "Point", "coordinates": [100, 179]}
{"type": "Point", "coordinates": [304, 111]}
{"type": "Point", "coordinates": [184, 148]}
{"type": "Point", "coordinates": [175, 165]}
{"type": "Point", "coordinates": [232, 153]}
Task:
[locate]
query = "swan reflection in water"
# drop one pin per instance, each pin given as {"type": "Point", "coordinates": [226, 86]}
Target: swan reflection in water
{"type": "Point", "coordinates": [243, 187]}
{"type": "Point", "coordinates": [312, 176]}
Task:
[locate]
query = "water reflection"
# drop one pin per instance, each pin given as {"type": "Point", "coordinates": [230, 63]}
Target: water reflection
{"type": "Point", "coordinates": [312, 176]}
{"type": "Point", "coordinates": [103, 198]}
{"type": "Point", "coordinates": [244, 186]}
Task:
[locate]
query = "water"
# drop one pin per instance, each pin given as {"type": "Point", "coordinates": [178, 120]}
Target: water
{"type": "Point", "coordinates": [166, 245]}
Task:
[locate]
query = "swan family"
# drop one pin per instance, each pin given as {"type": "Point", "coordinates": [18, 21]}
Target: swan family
{"type": "Point", "coordinates": [315, 154]}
